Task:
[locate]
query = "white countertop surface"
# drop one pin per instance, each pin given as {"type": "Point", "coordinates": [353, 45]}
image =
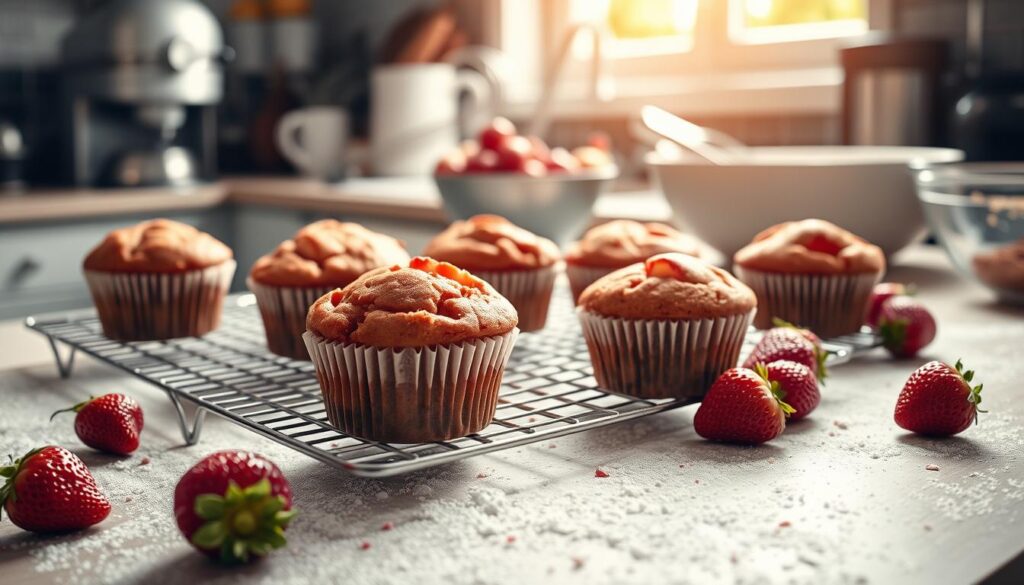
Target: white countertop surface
{"type": "Point", "coordinates": [842, 497]}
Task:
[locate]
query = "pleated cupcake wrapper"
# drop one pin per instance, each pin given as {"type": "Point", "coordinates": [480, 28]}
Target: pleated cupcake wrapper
{"type": "Point", "coordinates": [410, 395]}
{"type": "Point", "coordinates": [143, 306]}
{"type": "Point", "coordinates": [284, 310]}
{"type": "Point", "coordinates": [580, 277]}
{"type": "Point", "coordinates": [529, 291]}
{"type": "Point", "coordinates": [662, 359]}
{"type": "Point", "coordinates": [829, 305]}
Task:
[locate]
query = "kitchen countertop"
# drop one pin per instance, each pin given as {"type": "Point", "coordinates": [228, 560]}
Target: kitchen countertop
{"type": "Point", "coordinates": [842, 497]}
{"type": "Point", "coordinates": [411, 198]}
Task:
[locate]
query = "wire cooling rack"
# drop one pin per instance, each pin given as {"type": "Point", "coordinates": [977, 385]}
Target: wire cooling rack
{"type": "Point", "coordinates": [548, 389]}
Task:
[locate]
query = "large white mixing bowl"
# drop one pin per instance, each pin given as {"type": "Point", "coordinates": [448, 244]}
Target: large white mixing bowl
{"type": "Point", "coordinates": [868, 190]}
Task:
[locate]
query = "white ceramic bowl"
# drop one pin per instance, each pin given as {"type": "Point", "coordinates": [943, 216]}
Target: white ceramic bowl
{"type": "Point", "coordinates": [868, 190]}
{"type": "Point", "coordinates": [556, 206]}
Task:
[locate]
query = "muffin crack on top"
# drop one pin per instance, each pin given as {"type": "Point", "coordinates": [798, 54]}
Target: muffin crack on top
{"type": "Point", "coordinates": [157, 246]}
{"type": "Point", "coordinates": [423, 304]}
{"type": "Point", "coordinates": [491, 242]}
{"type": "Point", "coordinates": [810, 246]}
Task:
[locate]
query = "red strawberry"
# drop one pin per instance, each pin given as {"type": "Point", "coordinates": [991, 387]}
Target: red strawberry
{"type": "Point", "coordinates": [110, 423]}
{"type": "Point", "coordinates": [820, 354]}
{"type": "Point", "coordinates": [51, 490]}
{"type": "Point", "coordinates": [792, 344]}
{"type": "Point", "coordinates": [906, 326]}
{"type": "Point", "coordinates": [798, 386]}
{"type": "Point", "coordinates": [881, 293]}
{"type": "Point", "coordinates": [234, 505]}
{"type": "Point", "coordinates": [742, 406]}
{"type": "Point", "coordinates": [938, 400]}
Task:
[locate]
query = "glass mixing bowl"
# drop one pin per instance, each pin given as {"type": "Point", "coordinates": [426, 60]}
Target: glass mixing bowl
{"type": "Point", "coordinates": [976, 210]}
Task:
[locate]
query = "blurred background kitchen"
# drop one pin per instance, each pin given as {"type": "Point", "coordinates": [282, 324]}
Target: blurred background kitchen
{"type": "Point", "coordinates": [251, 118]}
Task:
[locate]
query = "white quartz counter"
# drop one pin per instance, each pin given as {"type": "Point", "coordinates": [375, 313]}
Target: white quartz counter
{"type": "Point", "coordinates": [843, 497]}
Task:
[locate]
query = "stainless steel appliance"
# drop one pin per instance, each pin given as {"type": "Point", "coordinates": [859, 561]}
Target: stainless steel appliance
{"type": "Point", "coordinates": [142, 79]}
{"type": "Point", "coordinates": [891, 91]}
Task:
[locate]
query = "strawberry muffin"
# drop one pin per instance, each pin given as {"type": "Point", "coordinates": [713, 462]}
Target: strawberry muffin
{"type": "Point", "coordinates": [411, 353]}
{"type": "Point", "coordinates": [321, 256]}
{"type": "Point", "coordinates": [158, 279]}
{"type": "Point", "coordinates": [811, 273]}
{"type": "Point", "coordinates": [518, 264]}
{"type": "Point", "coordinates": [666, 327]}
{"type": "Point", "coordinates": [617, 244]}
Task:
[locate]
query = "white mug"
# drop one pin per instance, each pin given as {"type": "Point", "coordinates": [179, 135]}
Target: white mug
{"type": "Point", "coordinates": [314, 140]}
{"type": "Point", "coordinates": [414, 118]}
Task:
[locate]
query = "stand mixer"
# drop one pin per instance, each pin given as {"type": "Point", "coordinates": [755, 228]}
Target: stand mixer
{"type": "Point", "coordinates": [143, 79]}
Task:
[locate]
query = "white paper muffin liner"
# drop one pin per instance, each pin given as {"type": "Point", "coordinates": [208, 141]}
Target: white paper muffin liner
{"type": "Point", "coordinates": [284, 310]}
{"type": "Point", "coordinates": [135, 306]}
{"type": "Point", "coordinates": [529, 291]}
{"type": "Point", "coordinates": [410, 395]}
{"type": "Point", "coordinates": [829, 305]}
{"type": "Point", "coordinates": [662, 359]}
{"type": "Point", "coordinates": [580, 277]}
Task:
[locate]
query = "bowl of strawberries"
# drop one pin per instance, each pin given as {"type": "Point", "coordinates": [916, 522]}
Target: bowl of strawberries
{"type": "Point", "coordinates": [549, 191]}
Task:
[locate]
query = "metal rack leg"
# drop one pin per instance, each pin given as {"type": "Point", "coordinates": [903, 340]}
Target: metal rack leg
{"type": "Point", "coordinates": [189, 432]}
{"type": "Point", "coordinates": [64, 365]}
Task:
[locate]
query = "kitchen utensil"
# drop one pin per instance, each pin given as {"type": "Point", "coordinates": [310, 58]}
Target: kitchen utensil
{"type": "Point", "coordinates": [128, 59]}
{"type": "Point", "coordinates": [231, 373]}
{"type": "Point", "coordinates": [975, 210]}
{"type": "Point", "coordinates": [314, 140]}
{"type": "Point", "coordinates": [556, 206]}
{"type": "Point", "coordinates": [691, 136]}
{"type": "Point", "coordinates": [293, 35]}
{"type": "Point", "coordinates": [414, 118]}
{"type": "Point", "coordinates": [867, 190]}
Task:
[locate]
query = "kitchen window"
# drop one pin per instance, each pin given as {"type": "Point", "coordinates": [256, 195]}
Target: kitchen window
{"type": "Point", "coordinates": [696, 55]}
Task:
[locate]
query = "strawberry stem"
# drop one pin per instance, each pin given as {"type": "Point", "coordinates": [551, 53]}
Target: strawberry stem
{"type": "Point", "coordinates": [74, 408]}
{"type": "Point", "coordinates": [243, 522]}
{"type": "Point", "coordinates": [10, 472]}
{"type": "Point", "coordinates": [974, 396]}
{"type": "Point", "coordinates": [776, 390]}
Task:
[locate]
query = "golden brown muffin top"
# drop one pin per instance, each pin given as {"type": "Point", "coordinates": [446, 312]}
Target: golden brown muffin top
{"type": "Point", "coordinates": [491, 242]}
{"type": "Point", "coordinates": [811, 246]}
{"type": "Point", "coordinates": [423, 303]}
{"type": "Point", "coordinates": [669, 286]}
{"type": "Point", "coordinates": [157, 245]}
{"type": "Point", "coordinates": [623, 242]}
{"type": "Point", "coordinates": [327, 253]}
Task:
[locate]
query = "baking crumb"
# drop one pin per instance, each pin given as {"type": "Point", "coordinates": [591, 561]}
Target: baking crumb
{"type": "Point", "coordinates": [552, 446]}
{"type": "Point", "coordinates": [696, 481]}
{"type": "Point", "coordinates": [144, 461]}
{"type": "Point", "coordinates": [386, 526]}
{"type": "Point", "coordinates": [840, 424]}
{"type": "Point", "coordinates": [733, 558]}
{"type": "Point", "coordinates": [600, 473]}
{"type": "Point", "coordinates": [831, 434]}
{"type": "Point", "coordinates": [931, 467]}
{"type": "Point", "coordinates": [771, 460]}
{"type": "Point", "coordinates": [127, 498]}
{"type": "Point", "coordinates": [928, 527]}
{"type": "Point", "coordinates": [532, 419]}
{"type": "Point", "coordinates": [577, 563]}
{"type": "Point", "coordinates": [365, 545]}
{"type": "Point", "coordinates": [481, 475]}
{"type": "Point", "coordinates": [785, 524]}
{"type": "Point", "coordinates": [511, 538]}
